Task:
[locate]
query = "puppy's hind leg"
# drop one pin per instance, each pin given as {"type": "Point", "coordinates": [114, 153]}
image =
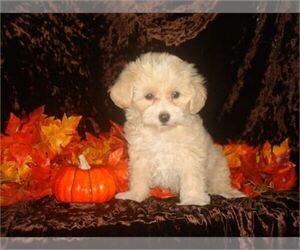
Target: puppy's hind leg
{"type": "Point", "coordinates": [219, 180]}
{"type": "Point", "coordinates": [224, 188]}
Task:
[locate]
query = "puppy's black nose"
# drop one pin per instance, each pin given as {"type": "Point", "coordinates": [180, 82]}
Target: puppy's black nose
{"type": "Point", "coordinates": [164, 117]}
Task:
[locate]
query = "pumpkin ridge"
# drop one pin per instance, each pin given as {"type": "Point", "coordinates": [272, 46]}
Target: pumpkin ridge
{"type": "Point", "coordinates": [112, 182]}
{"type": "Point", "coordinates": [90, 185]}
{"type": "Point", "coordinates": [60, 180]}
{"type": "Point", "coordinates": [61, 194]}
{"type": "Point", "coordinates": [69, 174]}
{"type": "Point", "coordinates": [104, 176]}
{"type": "Point", "coordinates": [99, 182]}
{"type": "Point", "coordinates": [72, 195]}
{"type": "Point", "coordinates": [56, 183]}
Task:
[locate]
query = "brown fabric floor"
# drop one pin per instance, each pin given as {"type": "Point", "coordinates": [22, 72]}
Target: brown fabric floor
{"type": "Point", "coordinates": [272, 214]}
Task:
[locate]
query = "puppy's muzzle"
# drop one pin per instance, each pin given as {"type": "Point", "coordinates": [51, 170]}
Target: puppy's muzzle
{"type": "Point", "coordinates": [164, 117]}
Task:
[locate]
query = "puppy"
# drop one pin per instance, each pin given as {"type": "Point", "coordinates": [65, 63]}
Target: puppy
{"type": "Point", "coordinates": [167, 143]}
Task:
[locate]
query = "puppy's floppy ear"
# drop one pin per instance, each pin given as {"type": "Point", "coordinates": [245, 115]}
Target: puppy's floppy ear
{"type": "Point", "coordinates": [122, 91]}
{"type": "Point", "coordinates": [199, 94]}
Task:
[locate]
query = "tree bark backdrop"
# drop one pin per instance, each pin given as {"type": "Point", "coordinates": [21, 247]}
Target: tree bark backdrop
{"type": "Point", "coordinates": [68, 62]}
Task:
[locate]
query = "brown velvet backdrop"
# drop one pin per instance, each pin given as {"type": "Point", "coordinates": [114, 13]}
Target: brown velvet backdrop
{"type": "Point", "coordinates": [67, 61]}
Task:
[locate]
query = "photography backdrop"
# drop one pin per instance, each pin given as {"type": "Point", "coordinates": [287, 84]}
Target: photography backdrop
{"type": "Point", "coordinates": [68, 62]}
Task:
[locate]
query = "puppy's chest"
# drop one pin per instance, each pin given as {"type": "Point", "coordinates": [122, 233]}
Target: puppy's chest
{"type": "Point", "coordinates": [164, 160]}
{"type": "Point", "coordinates": [160, 147]}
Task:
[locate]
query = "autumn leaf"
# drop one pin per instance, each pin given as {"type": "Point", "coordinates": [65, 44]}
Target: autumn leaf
{"type": "Point", "coordinates": [95, 149]}
{"type": "Point", "coordinates": [161, 193]}
{"type": "Point", "coordinates": [36, 117]}
{"type": "Point", "coordinates": [115, 157]}
{"type": "Point", "coordinates": [255, 170]}
{"type": "Point", "coordinates": [50, 120]}
{"type": "Point", "coordinates": [42, 154]}
{"type": "Point", "coordinates": [121, 173]}
{"type": "Point", "coordinates": [40, 173]}
{"type": "Point", "coordinates": [235, 153]}
{"type": "Point", "coordinates": [13, 124]}
{"type": "Point", "coordinates": [115, 137]}
{"type": "Point", "coordinates": [11, 193]}
{"type": "Point", "coordinates": [59, 133]}
{"type": "Point", "coordinates": [93, 155]}
{"type": "Point", "coordinates": [248, 190]}
{"type": "Point", "coordinates": [116, 130]}
{"type": "Point", "coordinates": [285, 178]}
{"type": "Point", "coordinates": [11, 171]}
{"type": "Point", "coordinates": [266, 153]}
{"type": "Point", "coordinates": [19, 152]}
{"type": "Point", "coordinates": [283, 150]}
{"type": "Point", "coordinates": [37, 114]}
{"type": "Point", "coordinates": [237, 179]}
{"type": "Point", "coordinates": [19, 137]}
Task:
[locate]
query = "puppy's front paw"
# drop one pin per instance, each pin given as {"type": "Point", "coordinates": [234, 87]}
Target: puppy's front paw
{"type": "Point", "coordinates": [200, 200]}
{"type": "Point", "coordinates": [130, 195]}
{"type": "Point", "coordinates": [233, 193]}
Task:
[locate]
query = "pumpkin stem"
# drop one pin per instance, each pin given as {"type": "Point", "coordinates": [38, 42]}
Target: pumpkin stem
{"type": "Point", "coordinates": [84, 165]}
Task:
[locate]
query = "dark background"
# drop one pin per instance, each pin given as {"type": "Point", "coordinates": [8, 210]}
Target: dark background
{"type": "Point", "coordinates": [68, 61]}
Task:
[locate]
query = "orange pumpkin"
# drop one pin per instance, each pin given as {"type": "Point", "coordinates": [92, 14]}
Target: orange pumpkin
{"type": "Point", "coordinates": [83, 183]}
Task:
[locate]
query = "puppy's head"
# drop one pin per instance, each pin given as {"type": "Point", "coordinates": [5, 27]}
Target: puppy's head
{"type": "Point", "coordinates": [163, 89]}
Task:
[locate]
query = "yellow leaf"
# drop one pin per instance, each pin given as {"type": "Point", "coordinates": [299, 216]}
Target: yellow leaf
{"type": "Point", "coordinates": [93, 155]}
{"type": "Point", "coordinates": [24, 170]}
{"type": "Point", "coordinates": [281, 150]}
{"type": "Point", "coordinates": [70, 124]}
{"type": "Point", "coordinates": [233, 161]}
{"type": "Point", "coordinates": [11, 172]}
{"type": "Point", "coordinates": [59, 133]}
{"type": "Point", "coordinates": [50, 120]}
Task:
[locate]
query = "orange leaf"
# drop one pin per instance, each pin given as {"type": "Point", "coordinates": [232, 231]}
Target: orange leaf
{"type": "Point", "coordinates": [11, 193]}
{"type": "Point", "coordinates": [19, 152]}
{"type": "Point", "coordinates": [37, 114]}
{"type": "Point", "coordinates": [116, 130]}
{"type": "Point", "coordinates": [237, 180]}
{"type": "Point", "coordinates": [161, 193]}
{"type": "Point", "coordinates": [40, 173]}
{"type": "Point", "coordinates": [115, 157]}
{"type": "Point", "coordinates": [13, 124]}
{"type": "Point", "coordinates": [248, 191]}
{"type": "Point", "coordinates": [285, 178]}
{"type": "Point", "coordinates": [42, 154]}
{"type": "Point", "coordinates": [266, 152]}
{"type": "Point", "coordinates": [121, 173]}
{"type": "Point", "coordinates": [233, 161]}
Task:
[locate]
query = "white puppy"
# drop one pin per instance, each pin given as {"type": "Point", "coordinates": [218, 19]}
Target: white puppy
{"type": "Point", "coordinates": [167, 143]}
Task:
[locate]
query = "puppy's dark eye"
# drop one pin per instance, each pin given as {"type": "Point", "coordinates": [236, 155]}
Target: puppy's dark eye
{"type": "Point", "coordinates": [149, 96]}
{"type": "Point", "coordinates": [175, 94]}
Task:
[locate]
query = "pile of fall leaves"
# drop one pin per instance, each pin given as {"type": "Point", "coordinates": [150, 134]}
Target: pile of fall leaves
{"type": "Point", "coordinates": [34, 148]}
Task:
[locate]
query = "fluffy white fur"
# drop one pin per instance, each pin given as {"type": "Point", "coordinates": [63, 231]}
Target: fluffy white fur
{"type": "Point", "coordinates": [178, 154]}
